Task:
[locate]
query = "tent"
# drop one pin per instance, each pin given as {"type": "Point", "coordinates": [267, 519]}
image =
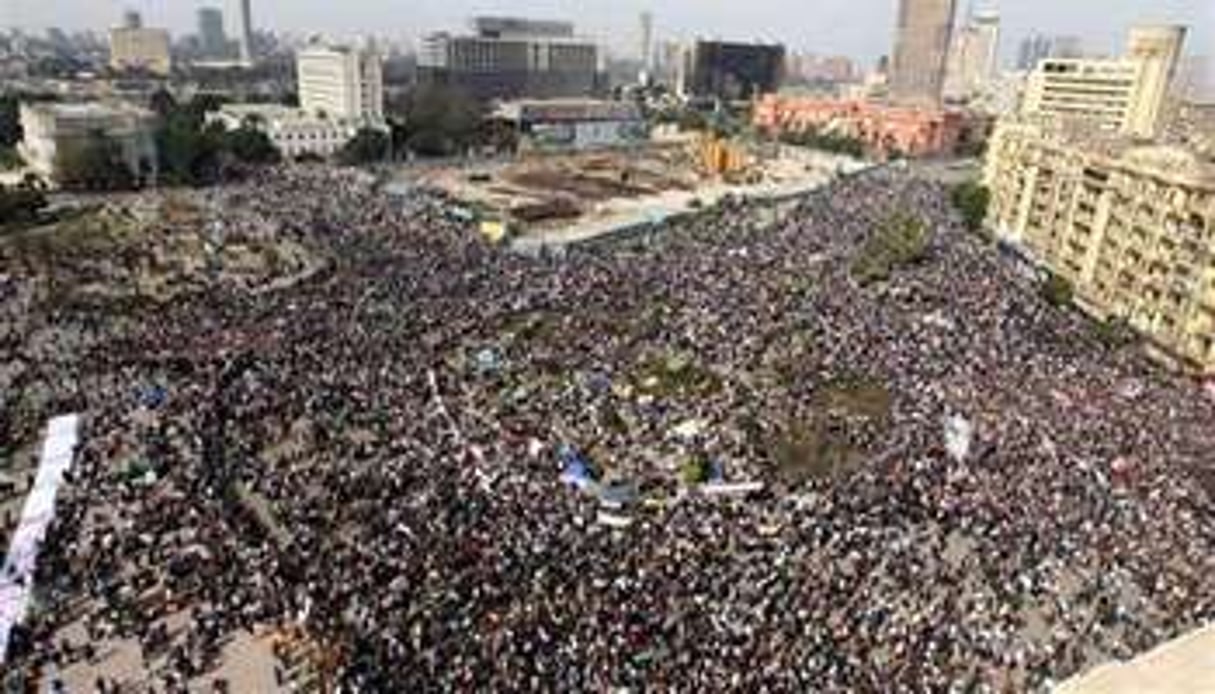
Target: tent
{"type": "Point", "coordinates": [575, 470]}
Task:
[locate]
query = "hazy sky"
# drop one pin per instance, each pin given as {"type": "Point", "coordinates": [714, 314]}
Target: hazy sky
{"type": "Point", "coordinates": [859, 28]}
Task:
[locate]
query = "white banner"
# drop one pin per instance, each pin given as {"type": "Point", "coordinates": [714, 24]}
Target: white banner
{"type": "Point", "coordinates": [17, 578]}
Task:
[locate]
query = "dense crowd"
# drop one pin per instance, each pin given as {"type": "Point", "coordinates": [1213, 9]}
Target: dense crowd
{"type": "Point", "coordinates": [374, 455]}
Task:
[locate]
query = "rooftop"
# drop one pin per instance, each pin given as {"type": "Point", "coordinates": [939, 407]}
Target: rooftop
{"type": "Point", "coordinates": [85, 109]}
{"type": "Point", "coordinates": [1185, 664]}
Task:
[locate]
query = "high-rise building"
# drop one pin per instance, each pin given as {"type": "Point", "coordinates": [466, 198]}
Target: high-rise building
{"type": "Point", "coordinates": [140, 49]}
{"type": "Point", "coordinates": [647, 41]}
{"type": "Point", "coordinates": [1066, 47]}
{"type": "Point", "coordinates": [921, 49]}
{"type": "Point", "coordinates": [1157, 50]}
{"type": "Point", "coordinates": [973, 56]}
{"type": "Point", "coordinates": [244, 33]}
{"type": "Point", "coordinates": [733, 71]}
{"type": "Point", "coordinates": [508, 58]}
{"type": "Point", "coordinates": [1035, 48]}
{"type": "Point", "coordinates": [211, 38]}
{"type": "Point", "coordinates": [1129, 226]}
{"type": "Point", "coordinates": [1124, 95]}
{"type": "Point", "coordinates": [341, 82]}
{"type": "Point", "coordinates": [131, 19]}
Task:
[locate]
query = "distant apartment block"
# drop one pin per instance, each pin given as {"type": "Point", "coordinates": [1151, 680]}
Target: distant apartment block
{"type": "Point", "coordinates": [1131, 227]}
{"type": "Point", "coordinates": [1124, 95]}
{"type": "Point", "coordinates": [974, 57]}
{"type": "Point", "coordinates": [508, 58]}
{"type": "Point", "coordinates": [141, 49]}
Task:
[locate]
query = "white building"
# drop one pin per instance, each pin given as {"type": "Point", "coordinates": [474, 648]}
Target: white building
{"type": "Point", "coordinates": [1119, 95]}
{"type": "Point", "coordinates": [341, 82]}
{"type": "Point", "coordinates": [50, 127]}
{"type": "Point", "coordinates": [293, 131]}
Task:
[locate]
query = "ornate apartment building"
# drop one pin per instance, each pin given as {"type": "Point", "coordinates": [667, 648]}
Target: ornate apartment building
{"type": "Point", "coordinates": [1132, 228]}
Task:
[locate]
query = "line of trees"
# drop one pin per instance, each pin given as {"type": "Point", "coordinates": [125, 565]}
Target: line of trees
{"type": "Point", "coordinates": [827, 142]}
{"type": "Point", "coordinates": [437, 121]}
{"type": "Point", "coordinates": [194, 152]}
{"type": "Point", "coordinates": [971, 199]}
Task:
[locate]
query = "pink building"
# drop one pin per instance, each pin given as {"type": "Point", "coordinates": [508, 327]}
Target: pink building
{"type": "Point", "coordinates": [883, 129]}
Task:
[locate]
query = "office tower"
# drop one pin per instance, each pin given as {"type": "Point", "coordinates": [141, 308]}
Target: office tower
{"type": "Point", "coordinates": [1035, 48]}
{"type": "Point", "coordinates": [647, 38]}
{"type": "Point", "coordinates": [245, 32]}
{"type": "Point", "coordinates": [342, 82]}
{"type": "Point", "coordinates": [921, 49]}
{"type": "Point", "coordinates": [132, 20]}
{"type": "Point", "coordinates": [211, 37]}
{"type": "Point", "coordinates": [509, 57]}
{"type": "Point", "coordinates": [974, 56]}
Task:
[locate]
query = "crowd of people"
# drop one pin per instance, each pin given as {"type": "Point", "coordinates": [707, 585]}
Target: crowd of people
{"type": "Point", "coordinates": [374, 456]}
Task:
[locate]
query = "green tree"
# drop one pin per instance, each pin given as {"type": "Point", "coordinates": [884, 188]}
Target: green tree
{"type": "Point", "coordinates": [95, 164]}
{"type": "Point", "coordinates": [20, 204]}
{"type": "Point", "coordinates": [835, 143]}
{"type": "Point", "coordinates": [971, 200]}
{"type": "Point", "coordinates": [1115, 332]}
{"type": "Point", "coordinates": [162, 103]}
{"type": "Point", "coordinates": [9, 159]}
{"type": "Point", "coordinates": [10, 121]}
{"type": "Point", "coordinates": [248, 145]}
{"type": "Point", "coordinates": [900, 240]}
{"type": "Point", "coordinates": [1057, 290]}
{"type": "Point", "coordinates": [368, 146]}
{"type": "Point", "coordinates": [189, 152]}
{"type": "Point", "coordinates": [441, 120]}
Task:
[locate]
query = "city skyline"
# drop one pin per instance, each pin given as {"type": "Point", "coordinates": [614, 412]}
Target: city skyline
{"type": "Point", "coordinates": [861, 29]}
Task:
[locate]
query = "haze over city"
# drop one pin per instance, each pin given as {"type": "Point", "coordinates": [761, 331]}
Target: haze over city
{"type": "Point", "coordinates": [858, 28]}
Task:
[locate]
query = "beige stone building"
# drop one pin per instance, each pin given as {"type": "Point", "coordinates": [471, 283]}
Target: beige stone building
{"type": "Point", "coordinates": [1132, 228]}
{"type": "Point", "coordinates": [140, 48]}
{"type": "Point", "coordinates": [1123, 95]}
{"type": "Point", "coordinates": [50, 127]}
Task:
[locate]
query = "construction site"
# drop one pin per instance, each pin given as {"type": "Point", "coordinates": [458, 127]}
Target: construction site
{"type": "Point", "coordinates": [550, 198]}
